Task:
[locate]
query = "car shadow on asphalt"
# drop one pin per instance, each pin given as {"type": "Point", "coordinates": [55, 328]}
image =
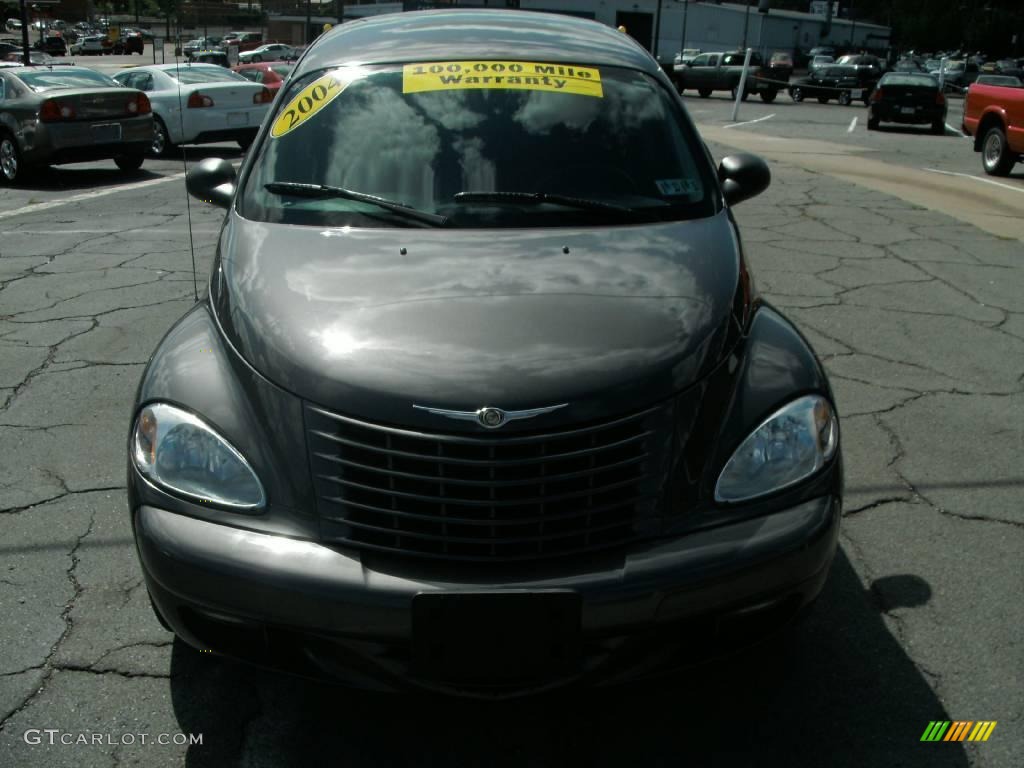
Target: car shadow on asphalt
{"type": "Point", "coordinates": [912, 130]}
{"type": "Point", "coordinates": [836, 690]}
{"type": "Point", "coordinates": [69, 178]}
{"type": "Point", "coordinates": [72, 178]}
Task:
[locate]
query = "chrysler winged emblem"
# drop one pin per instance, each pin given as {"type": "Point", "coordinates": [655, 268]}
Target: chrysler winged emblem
{"type": "Point", "coordinates": [488, 416]}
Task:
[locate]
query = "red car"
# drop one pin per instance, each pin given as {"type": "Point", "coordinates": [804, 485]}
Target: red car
{"type": "Point", "coordinates": [270, 74]}
{"type": "Point", "coordinates": [245, 41]}
{"type": "Point", "coordinates": [994, 116]}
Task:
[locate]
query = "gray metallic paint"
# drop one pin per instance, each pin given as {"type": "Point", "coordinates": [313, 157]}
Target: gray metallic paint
{"type": "Point", "coordinates": [39, 142]}
{"type": "Point", "coordinates": [340, 317]}
{"type": "Point", "coordinates": [633, 315]}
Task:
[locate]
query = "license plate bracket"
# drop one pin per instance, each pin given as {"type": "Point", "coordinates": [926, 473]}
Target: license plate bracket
{"type": "Point", "coordinates": [907, 110]}
{"type": "Point", "coordinates": [104, 133]}
{"type": "Point", "coordinates": [496, 637]}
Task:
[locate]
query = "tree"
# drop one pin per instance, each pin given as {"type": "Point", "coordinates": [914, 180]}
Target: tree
{"type": "Point", "coordinates": [168, 8]}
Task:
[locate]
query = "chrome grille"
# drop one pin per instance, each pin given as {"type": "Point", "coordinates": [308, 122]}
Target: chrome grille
{"type": "Point", "coordinates": [513, 497]}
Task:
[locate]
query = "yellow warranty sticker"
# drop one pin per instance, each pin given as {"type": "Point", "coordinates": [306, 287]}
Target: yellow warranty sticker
{"type": "Point", "coordinates": [312, 99]}
{"type": "Point", "coordinates": [513, 75]}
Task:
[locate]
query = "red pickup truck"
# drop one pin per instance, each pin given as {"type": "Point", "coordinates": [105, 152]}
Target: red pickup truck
{"type": "Point", "coordinates": [994, 116]}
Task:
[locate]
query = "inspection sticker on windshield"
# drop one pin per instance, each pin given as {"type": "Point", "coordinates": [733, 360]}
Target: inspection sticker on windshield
{"type": "Point", "coordinates": [501, 75]}
{"type": "Point", "coordinates": [312, 99]}
{"type": "Point", "coordinates": [669, 187]}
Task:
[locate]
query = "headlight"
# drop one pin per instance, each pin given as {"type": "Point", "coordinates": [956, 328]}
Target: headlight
{"type": "Point", "coordinates": [178, 452]}
{"type": "Point", "coordinates": [789, 446]}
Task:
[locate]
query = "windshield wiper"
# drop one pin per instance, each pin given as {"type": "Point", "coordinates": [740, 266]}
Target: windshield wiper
{"type": "Point", "coordinates": [582, 203]}
{"type": "Point", "coordinates": [323, 190]}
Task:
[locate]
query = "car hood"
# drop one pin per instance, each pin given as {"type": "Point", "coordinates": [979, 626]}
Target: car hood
{"type": "Point", "coordinates": [369, 322]}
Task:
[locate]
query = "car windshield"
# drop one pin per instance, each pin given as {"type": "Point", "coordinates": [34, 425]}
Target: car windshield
{"type": "Point", "coordinates": [736, 59]}
{"type": "Point", "coordinates": [47, 80]}
{"type": "Point", "coordinates": [190, 75]}
{"type": "Point", "coordinates": [520, 135]}
{"type": "Point", "coordinates": [920, 81]}
{"type": "Point", "coordinates": [282, 69]}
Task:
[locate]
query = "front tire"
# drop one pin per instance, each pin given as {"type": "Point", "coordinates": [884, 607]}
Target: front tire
{"type": "Point", "coordinates": [704, 92]}
{"type": "Point", "coordinates": [12, 169]}
{"type": "Point", "coordinates": [996, 158]}
{"type": "Point", "coordinates": [845, 98]}
{"type": "Point", "coordinates": [823, 99]}
{"type": "Point", "coordinates": [939, 128]}
{"type": "Point", "coordinates": [873, 123]}
{"type": "Point", "coordinates": [129, 163]}
{"type": "Point", "coordinates": [768, 96]}
{"type": "Point", "coordinates": [796, 94]}
{"type": "Point", "coordinates": [736, 90]}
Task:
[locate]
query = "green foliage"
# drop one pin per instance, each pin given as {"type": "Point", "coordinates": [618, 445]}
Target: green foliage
{"type": "Point", "coordinates": [986, 25]}
{"type": "Point", "coordinates": [167, 7]}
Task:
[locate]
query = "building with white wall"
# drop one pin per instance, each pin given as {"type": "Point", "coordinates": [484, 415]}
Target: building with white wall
{"type": "Point", "coordinates": [707, 25]}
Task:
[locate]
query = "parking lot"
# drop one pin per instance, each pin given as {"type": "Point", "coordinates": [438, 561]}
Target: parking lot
{"type": "Point", "coordinates": [899, 259]}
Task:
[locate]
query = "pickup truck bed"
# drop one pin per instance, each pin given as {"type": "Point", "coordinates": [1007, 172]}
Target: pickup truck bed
{"type": "Point", "coordinates": [994, 116]}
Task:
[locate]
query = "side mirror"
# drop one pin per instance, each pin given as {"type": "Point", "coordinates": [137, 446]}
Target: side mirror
{"type": "Point", "coordinates": [743, 176]}
{"type": "Point", "coordinates": [213, 181]}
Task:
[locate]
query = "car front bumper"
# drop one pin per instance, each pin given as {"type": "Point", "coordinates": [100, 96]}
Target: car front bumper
{"type": "Point", "coordinates": [319, 611]}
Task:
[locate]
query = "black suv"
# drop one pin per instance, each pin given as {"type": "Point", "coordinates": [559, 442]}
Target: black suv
{"type": "Point", "coordinates": [54, 45]}
{"type": "Point", "coordinates": [843, 84]}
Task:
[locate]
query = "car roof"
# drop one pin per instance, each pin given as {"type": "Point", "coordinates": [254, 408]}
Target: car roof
{"type": "Point", "coordinates": [261, 64]}
{"type": "Point", "coordinates": [181, 65]}
{"type": "Point", "coordinates": [444, 35]}
{"type": "Point", "coordinates": [47, 68]}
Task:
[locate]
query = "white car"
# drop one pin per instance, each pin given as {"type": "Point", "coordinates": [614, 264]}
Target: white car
{"type": "Point", "coordinates": [216, 104]}
{"type": "Point", "coordinates": [88, 45]}
{"type": "Point", "coordinates": [268, 52]}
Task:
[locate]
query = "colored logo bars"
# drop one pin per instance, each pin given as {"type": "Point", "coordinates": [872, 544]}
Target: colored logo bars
{"type": "Point", "coordinates": [958, 730]}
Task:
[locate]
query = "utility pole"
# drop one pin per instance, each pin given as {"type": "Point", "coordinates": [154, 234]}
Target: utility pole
{"type": "Point", "coordinates": [746, 23]}
{"type": "Point", "coordinates": [853, 26]}
{"type": "Point", "coordinates": [309, 22]}
{"type": "Point", "coordinates": [682, 36]}
{"type": "Point", "coordinates": [657, 30]}
{"type": "Point", "coordinates": [26, 57]}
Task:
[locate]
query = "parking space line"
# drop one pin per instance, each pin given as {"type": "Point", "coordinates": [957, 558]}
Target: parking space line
{"type": "Point", "coordinates": [90, 195]}
{"type": "Point", "coordinates": [853, 126]}
{"type": "Point", "coordinates": [749, 122]}
{"type": "Point", "coordinates": [957, 131]}
{"type": "Point", "coordinates": [976, 178]}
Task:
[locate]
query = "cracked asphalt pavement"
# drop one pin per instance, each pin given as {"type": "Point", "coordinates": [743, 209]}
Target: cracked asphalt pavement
{"type": "Point", "coordinates": [918, 317]}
